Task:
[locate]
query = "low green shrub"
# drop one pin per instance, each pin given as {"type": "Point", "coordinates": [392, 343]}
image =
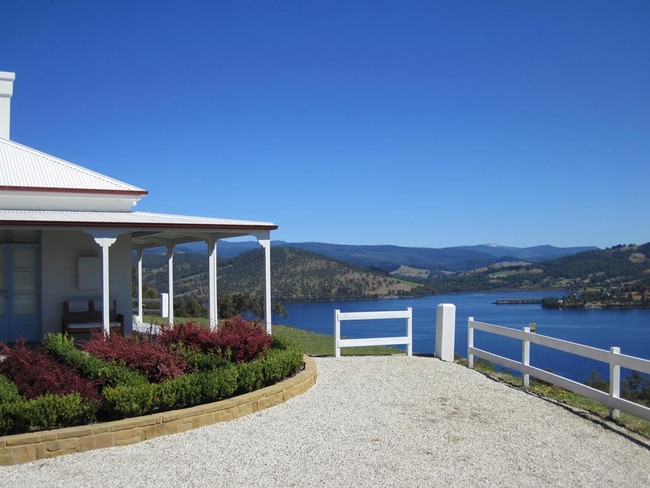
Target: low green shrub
{"type": "Point", "coordinates": [201, 361]}
{"type": "Point", "coordinates": [62, 348]}
{"type": "Point", "coordinates": [11, 421]}
{"type": "Point", "coordinates": [11, 404]}
{"type": "Point", "coordinates": [280, 364]}
{"type": "Point", "coordinates": [8, 391]}
{"type": "Point", "coordinates": [180, 392]}
{"type": "Point", "coordinates": [250, 376]}
{"type": "Point", "coordinates": [49, 411]}
{"type": "Point", "coordinates": [199, 387]}
{"type": "Point", "coordinates": [219, 384]}
{"type": "Point", "coordinates": [183, 391]}
{"type": "Point", "coordinates": [122, 401]}
{"type": "Point", "coordinates": [283, 359]}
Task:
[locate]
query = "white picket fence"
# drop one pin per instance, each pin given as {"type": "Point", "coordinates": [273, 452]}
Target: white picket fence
{"type": "Point", "coordinates": [613, 358]}
{"type": "Point", "coordinates": [373, 341]}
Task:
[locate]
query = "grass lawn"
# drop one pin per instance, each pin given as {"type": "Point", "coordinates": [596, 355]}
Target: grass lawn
{"type": "Point", "coordinates": [311, 343]}
{"type": "Point", "coordinates": [323, 344]}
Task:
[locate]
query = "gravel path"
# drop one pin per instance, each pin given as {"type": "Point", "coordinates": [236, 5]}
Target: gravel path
{"type": "Point", "coordinates": [372, 421]}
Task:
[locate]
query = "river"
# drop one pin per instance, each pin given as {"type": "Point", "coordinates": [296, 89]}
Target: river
{"type": "Point", "coordinates": [627, 329]}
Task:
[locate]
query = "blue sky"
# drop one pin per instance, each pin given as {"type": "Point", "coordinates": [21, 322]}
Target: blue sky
{"type": "Point", "coordinates": [413, 123]}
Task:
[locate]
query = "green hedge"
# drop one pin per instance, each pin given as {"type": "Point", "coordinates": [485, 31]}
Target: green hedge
{"type": "Point", "coordinates": [11, 404]}
{"type": "Point", "coordinates": [8, 391]}
{"type": "Point", "coordinates": [61, 347]}
{"type": "Point", "coordinates": [49, 411]}
{"type": "Point", "coordinates": [123, 401]}
{"type": "Point", "coordinates": [250, 376]}
{"type": "Point", "coordinates": [202, 361]}
{"type": "Point", "coordinates": [17, 414]}
{"type": "Point", "coordinates": [282, 360]}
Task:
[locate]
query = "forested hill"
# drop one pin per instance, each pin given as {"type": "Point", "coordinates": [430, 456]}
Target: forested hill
{"type": "Point", "coordinates": [621, 271]}
{"type": "Point", "coordinates": [296, 274]}
{"type": "Point", "coordinates": [626, 263]}
{"type": "Point", "coordinates": [302, 275]}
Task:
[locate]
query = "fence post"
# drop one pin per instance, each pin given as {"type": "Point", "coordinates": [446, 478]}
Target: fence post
{"type": "Point", "coordinates": [445, 331]}
{"type": "Point", "coordinates": [470, 342]}
{"type": "Point", "coordinates": [525, 356]}
{"type": "Point", "coordinates": [614, 381]}
{"type": "Point", "coordinates": [409, 332]}
{"type": "Point", "coordinates": [164, 305]}
{"type": "Point", "coordinates": [337, 333]}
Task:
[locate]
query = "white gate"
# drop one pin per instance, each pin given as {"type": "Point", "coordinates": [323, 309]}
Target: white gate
{"type": "Point", "coordinates": [373, 341]}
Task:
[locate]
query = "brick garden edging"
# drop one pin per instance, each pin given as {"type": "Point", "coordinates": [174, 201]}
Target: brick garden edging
{"type": "Point", "coordinates": [23, 448]}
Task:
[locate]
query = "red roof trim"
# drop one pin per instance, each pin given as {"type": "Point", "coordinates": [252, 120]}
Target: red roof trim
{"type": "Point", "coordinates": [72, 190]}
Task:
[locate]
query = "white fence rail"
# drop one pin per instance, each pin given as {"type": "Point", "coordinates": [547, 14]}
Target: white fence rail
{"type": "Point", "coordinates": [373, 341]}
{"type": "Point", "coordinates": [152, 306]}
{"type": "Point", "coordinates": [613, 358]}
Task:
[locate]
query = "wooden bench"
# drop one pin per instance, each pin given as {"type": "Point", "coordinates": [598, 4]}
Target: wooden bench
{"type": "Point", "coordinates": [80, 316]}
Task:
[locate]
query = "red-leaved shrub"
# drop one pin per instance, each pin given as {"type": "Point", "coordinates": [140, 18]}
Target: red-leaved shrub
{"type": "Point", "coordinates": [236, 339]}
{"type": "Point", "coordinates": [140, 354]}
{"type": "Point", "coordinates": [35, 374]}
{"type": "Point", "coordinates": [191, 335]}
{"type": "Point", "coordinates": [242, 340]}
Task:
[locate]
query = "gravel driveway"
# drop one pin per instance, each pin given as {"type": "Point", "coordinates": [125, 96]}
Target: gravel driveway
{"type": "Point", "coordinates": [373, 421]}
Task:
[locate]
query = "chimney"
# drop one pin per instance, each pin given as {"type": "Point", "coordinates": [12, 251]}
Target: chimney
{"type": "Point", "coordinates": [6, 90]}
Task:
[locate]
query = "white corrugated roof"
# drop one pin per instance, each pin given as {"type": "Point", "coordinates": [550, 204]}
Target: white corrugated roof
{"type": "Point", "coordinates": [26, 168]}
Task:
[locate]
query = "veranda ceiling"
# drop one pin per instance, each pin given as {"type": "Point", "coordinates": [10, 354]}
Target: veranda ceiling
{"type": "Point", "coordinates": [147, 229]}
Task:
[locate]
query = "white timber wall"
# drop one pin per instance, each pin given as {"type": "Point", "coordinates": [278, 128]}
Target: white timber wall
{"type": "Point", "coordinates": [60, 253]}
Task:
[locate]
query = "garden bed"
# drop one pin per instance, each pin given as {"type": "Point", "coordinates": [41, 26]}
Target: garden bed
{"type": "Point", "coordinates": [115, 378]}
{"type": "Point", "coordinates": [23, 448]}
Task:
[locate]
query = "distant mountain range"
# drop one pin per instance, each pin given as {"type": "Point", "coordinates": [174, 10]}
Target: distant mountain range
{"type": "Point", "coordinates": [391, 258]}
{"type": "Point", "coordinates": [319, 271]}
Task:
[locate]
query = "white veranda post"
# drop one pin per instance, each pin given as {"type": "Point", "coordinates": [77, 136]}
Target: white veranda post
{"type": "Point", "coordinates": [105, 239]}
{"type": "Point", "coordinates": [170, 273]}
{"type": "Point", "coordinates": [212, 282]}
{"type": "Point", "coordinates": [139, 252]}
{"type": "Point", "coordinates": [264, 238]}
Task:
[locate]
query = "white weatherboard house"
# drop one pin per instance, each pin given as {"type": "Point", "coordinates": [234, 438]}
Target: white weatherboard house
{"type": "Point", "coordinates": [67, 234]}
